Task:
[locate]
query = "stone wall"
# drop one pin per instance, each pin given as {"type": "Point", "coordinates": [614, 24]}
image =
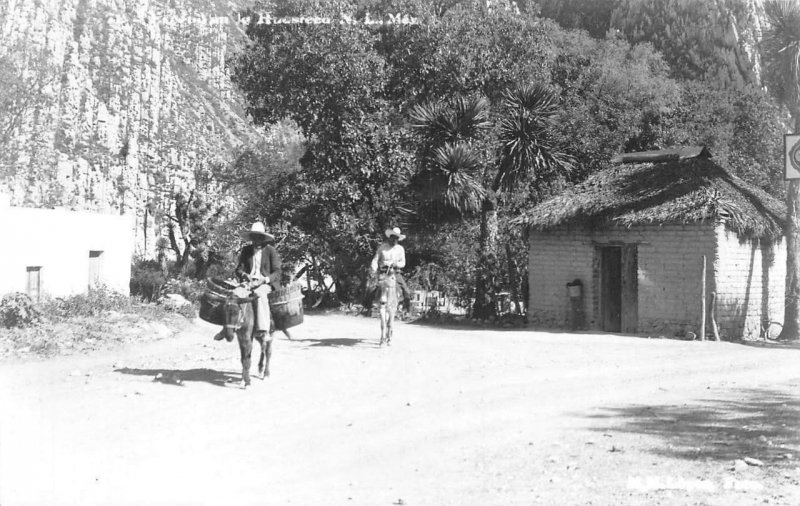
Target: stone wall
{"type": "Point", "coordinates": [748, 277]}
{"type": "Point", "coordinates": [751, 278]}
{"type": "Point", "coordinates": [669, 273]}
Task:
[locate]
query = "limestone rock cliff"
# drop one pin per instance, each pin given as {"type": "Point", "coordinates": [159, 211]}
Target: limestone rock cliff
{"type": "Point", "coordinates": [111, 105]}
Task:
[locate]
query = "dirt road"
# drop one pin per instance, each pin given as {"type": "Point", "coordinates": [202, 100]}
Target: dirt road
{"type": "Point", "coordinates": [457, 416]}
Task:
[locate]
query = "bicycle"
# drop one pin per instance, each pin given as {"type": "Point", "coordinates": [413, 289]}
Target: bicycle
{"type": "Point", "coordinates": [770, 330]}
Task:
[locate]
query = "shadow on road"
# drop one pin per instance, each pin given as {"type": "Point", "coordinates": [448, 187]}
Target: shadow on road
{"type": "Point", "coordinates": [762, 424]}
{"type": "Point", "coordinates": [178, 377]}
{"type": "Point", "coordinates": [342, 341]}
{"type": "Point", "coordinates": [773, 345]}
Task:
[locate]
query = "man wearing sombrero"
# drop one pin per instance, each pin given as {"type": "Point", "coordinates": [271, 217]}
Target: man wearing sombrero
{"type": "Point", "coordinates": [389, 254]}
{"type": "Point", "coordinates": [260, 266]}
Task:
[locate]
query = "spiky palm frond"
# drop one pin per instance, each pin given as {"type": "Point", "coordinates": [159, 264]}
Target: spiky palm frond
{"type": "Point", "coordinates": [451, 179]}
{"type": "Point", "coordinates": [537, 99]}
{"type": "Point", "coordinates": [781, 51]}
{"type": "Point", "coordinates": [464, 118]}
{"type": "Point", "coordinates": [525, 146]}
{"type": "Point", "coordinates": [470, 117]}
{"type": "Point", "coordinates": [430, 121]}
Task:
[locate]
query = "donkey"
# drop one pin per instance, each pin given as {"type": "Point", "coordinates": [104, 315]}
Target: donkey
{"type": "Point", "coordinates": [387, 295]}
{"type": "Point", "coordinates": [240, 320]}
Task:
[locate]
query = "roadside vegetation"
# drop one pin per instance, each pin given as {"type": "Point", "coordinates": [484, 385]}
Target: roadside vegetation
{"type": "Point", "coordinates": [83, 322]}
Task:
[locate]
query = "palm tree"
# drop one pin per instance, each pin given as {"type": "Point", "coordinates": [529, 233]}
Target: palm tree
{"type": "Point", "coordinates": [449, 180]}
{"type": "Point", "coordinates": [781, 54]}
{"type": "Point", "coordinates": [454, 174]}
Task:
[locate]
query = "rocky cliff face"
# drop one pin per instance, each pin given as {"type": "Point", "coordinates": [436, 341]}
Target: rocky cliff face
{"type": "Point", "coordinates": [748, 29]}
{"type": "Point", "coordinates": [112, 105]}
{"type": "Point", "coordinates": [118, 103]}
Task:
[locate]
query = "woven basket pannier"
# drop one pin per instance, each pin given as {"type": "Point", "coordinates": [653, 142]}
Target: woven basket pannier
{"type": "Point", "coordinates": [212, 302]}
{"type": "Point", "coordinates": [286, 306]}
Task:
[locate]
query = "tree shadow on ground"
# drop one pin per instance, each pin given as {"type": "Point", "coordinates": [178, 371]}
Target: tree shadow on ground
{"type": "Point", "coordinates": [468, 326]}
{"type": "Point", "coordinates": [179, 377]}
{"type": "Point", "coordinates": [772, 344]}
{"type": "Point", "coordinates": [762, 424]}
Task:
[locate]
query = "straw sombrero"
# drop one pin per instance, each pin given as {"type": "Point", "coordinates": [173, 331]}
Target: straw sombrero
{"type": "Point", "coordinates": [394, 231]}
{"type": "Point", "coordinates": [257, 232]}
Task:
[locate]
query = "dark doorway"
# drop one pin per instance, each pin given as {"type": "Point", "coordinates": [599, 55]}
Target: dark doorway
{"type": "Point", "coordinates": [619, 288]}
{"type": "Point", "coordinates": [95, 268]}
{"type": "Point", "coordinates": [611, 288]}
{"type": "Point", "coordinates": [33, 285]}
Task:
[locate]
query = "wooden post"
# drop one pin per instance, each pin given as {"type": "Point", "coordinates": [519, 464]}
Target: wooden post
{"type": "Point", "coordinates": [714, 327]}
{"type": "Point", "coordinates": [703, 302]}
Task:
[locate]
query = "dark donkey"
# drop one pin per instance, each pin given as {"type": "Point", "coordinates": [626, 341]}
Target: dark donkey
{"type": "Point", "coordinates": [240, 319]}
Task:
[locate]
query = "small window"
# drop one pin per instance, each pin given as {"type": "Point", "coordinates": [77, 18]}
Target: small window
{"type": "Point", "coordinates": [95, 268]}
{"type": "Point", "coordinates": [33, 285]}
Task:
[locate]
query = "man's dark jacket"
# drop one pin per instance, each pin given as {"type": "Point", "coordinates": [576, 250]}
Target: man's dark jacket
{"type": "Point", "coordinates": [270, 264]}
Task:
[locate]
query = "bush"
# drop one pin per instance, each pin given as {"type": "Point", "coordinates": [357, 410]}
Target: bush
{"type": "Point", "coordinates": [190, 289]}
{"type": "Point", "coordinates": [18, 310]}
{"type": "Point", "coordinates": [93, 303]}
{"type": "Point", "coordinates": [147, 280]}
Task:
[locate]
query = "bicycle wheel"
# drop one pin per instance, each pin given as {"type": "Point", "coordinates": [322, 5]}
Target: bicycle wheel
{"type": "Point", "coordinates": [772, 330]}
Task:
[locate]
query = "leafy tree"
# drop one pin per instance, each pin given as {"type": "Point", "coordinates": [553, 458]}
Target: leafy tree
{"type": "Point", "coordinates": [781, 51]}
{"type": "Point", "coordinates": [191, 232]}
{"type": "Point", "coordinates": [614, 96]}
{"type": "Point", "coordinates": [594, 16]}
{"type": "Point", "coordinates": [742, 128]}
{"type": "Point", "coordinates": [699, 40]}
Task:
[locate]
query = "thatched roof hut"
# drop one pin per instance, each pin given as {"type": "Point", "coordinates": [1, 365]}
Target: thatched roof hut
{"type": "Point", "coordinates": [633, 248]}
{"type": "Point", "coordinates": [659, 187]}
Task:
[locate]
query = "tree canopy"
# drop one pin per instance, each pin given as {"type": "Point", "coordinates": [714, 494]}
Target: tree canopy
{"type": "Point", "coordinates": [355, 92]}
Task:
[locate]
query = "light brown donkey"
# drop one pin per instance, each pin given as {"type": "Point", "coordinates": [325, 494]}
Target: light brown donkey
{"type": "Point", "coordinates": [387, 295]}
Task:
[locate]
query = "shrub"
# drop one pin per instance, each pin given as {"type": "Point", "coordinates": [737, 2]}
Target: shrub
{"type": "Point", "coordinates": [190, 289]}
{"type": "Point", "coordinates": [147, 280]}
{"type": "Point", "coordinates": [18, 310]}
{"type": "Point", "coordinates": [95, 302]}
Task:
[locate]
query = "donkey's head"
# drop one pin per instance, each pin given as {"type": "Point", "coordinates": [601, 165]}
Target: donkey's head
{"type": "Point", "coordinates": [235, 314]}
{"type": "Point", "coordinates": [387, 286]}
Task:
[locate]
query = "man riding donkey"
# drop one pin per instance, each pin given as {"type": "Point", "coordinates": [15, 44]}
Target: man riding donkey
{"type": "Point", "coordinates": [389, 255]}
{"type": "Point", "coordinates": [259, 267]}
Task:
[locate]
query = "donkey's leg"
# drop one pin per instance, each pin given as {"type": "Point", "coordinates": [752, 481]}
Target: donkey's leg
{"type": "Point", "coordinates": [267, 356]}
{"type": "Point", "coordinates": [261, 337]}
{"type": "Point", "coordinates": [246, 348]}
{"type": "Point", "coordinates": [383, 323]}
{"type": "Point", "coordinates": [389, 327]}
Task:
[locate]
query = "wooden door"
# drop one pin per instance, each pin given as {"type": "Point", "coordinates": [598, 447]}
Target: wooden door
{"type": "Point", "coordinates": [630, 289]}
{"type": "Point", "coordinates": [33, 285]}
{"type": "Point", "coordinates": [611, 288]}
{"type": "Point", "coordinates": [95, 268]}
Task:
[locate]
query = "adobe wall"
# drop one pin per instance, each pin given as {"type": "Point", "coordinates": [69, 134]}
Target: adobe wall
{"type": "Point", "coordinates": [58, 242]}
{"type": "Point", "coordinates": [751, 278]}
{"type": "Point", "coordinates": [669, 274]}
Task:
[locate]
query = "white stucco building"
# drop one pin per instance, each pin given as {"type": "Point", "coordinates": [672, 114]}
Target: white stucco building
{"type": "Point", "coordinates": [56, 252]}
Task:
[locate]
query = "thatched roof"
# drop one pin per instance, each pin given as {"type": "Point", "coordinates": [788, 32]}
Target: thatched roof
{"type": "Point", "coordinates": [680, 186]}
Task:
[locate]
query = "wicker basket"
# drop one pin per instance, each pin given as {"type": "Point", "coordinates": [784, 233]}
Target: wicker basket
{"type": "Point", "coordinates": [212, 302]}
{"type": "Point", "coordinates": [286, 306]}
